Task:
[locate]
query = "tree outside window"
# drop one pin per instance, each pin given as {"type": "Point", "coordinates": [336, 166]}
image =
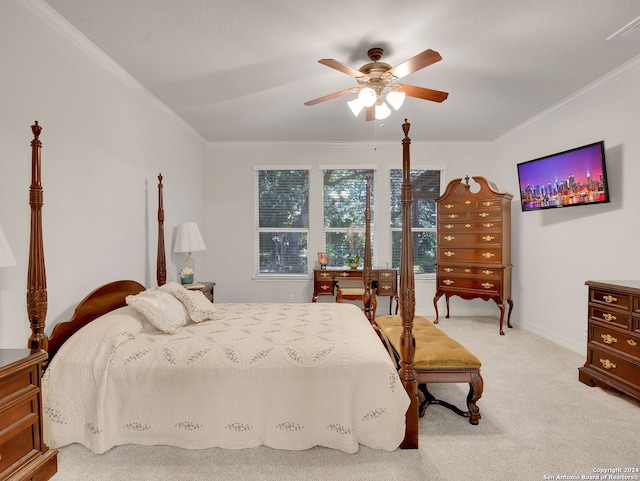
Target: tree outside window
{"type": "Point", "coordinates": [283, 221]}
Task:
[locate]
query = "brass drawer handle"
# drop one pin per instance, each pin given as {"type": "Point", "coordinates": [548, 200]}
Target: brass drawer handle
{"type": "Point", "coordinates": [488, 255]}
{"type": "Point", "coordinates": [484, 214]}
{"type": "Point", "coordinates": [632, 343]}
{"type": "Point", "coordinates": [608, 317]}
{"type": "Point", "coordinates": [488, 225]}
{"type": "Point", "coordinates": [449, 206]}
{"type": "Point", "coordinates": [386, 274]}
{"type": "Point", "coordinates": [467, 271]}
{"type": "Point", "coordinates": [487, 285]}
{"type": "Point", "coordinates": [324, 274]}
{"type": "Point", "coordinates": [449, 238]}
{"type": "Point", "coordinates": [448, 282]}
{"type": "Point", "coordinates": [325, 288]}
{"type": "Point", "coordinates": [449, 253]}
{"type": "Point", "coordinates": [449, 226]}
{"type": "Point", "coordinates": [487, 272]}
{"type": "Point", "coordinates": [487, 204]}
{"type": "Point", "coordinates": [609, 299]}
{"type": "Point", "coordinates": [467, 225]}
{"type": "Point", "coordinates": [467, 202]}
{"type": "Point", "coordinates": [488, 238]}
{"type": "Point", "coordinates": [608, 338]}
{"type": "Point", "coordinates": [344, 274]}
{"type": "Point", "coordinates": [448, 269]}
{"type": "Point", "coordinates": [607, 364]}
{"type": "Point", "coordinates": [453, 216]}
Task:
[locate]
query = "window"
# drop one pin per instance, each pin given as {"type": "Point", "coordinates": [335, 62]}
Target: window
{"type": "Point", "coordinates": [282, 233]}
{"type": "Point", "coordinates": [344, 201]}
{"type": "Point", "coordinates": [425, 188]}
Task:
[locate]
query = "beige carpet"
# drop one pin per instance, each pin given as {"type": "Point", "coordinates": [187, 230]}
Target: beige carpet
{"type": "Point", "coordinates": [537, 420]}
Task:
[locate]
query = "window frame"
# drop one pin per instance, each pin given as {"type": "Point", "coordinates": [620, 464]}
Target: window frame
{"type": "Point", "coordinates": [258, 230]}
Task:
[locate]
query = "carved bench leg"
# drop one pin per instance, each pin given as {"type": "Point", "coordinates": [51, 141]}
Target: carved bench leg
{"type": "Point", "coordinates": [476, 386]}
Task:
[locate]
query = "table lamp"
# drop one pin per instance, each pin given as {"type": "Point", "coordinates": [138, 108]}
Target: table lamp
{"type": "Point", "coordinates": [188, 240]}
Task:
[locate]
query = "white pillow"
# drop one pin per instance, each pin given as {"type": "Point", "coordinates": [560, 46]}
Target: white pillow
{"type": "Point", "coordinates": [171, 287]}
{"type": "Point", "coordinates": [160, 309]}
{"type": "Point", "coordinates": [198, 306]}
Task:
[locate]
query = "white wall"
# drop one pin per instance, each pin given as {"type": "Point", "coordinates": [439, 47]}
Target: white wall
{"type": "Point", "coordinates": [104, 143]}
{"type": "Point", "coordinates": [556, 251]}
{"type": "Point", "coordinates": [231, 206]}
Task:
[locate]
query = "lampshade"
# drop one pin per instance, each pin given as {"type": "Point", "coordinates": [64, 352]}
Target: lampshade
{"type": "Point", "coordinates": [396, 99]}
{"type": "Point", "coordinates": [356, 106]}
{"type": "Point", "coordinates": [188, 238]}
{"type": "Point", "coordinates": [382, 111]}
{"type": "Point", "coordinates": [368, 96]}
{"type": "Point", "coordinates": [6, 256]}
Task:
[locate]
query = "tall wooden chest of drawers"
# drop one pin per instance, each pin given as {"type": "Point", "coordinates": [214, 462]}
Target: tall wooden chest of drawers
{"type": "Point", "coordinates": [613, 337]}
{"type": "Point", "coordinates": [23, 454]}
{"type": "Point", "coordinates": [474, 244]}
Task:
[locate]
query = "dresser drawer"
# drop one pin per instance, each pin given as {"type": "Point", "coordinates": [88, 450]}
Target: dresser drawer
{"type": "Point", "coordinates": [601, 296]}
{"type": "Point", "coordinates": [615, 339]}
{"type": "Point", "coordinates": [18, 445]}
{"type": "Point", "coordinates": [615, 317]}
{"type": "Point", "coordinates": [452, 227]}
{"type": "Point", "coordinates": [480, 239]}
{"type": "Point", "coordinates": [613, 366]}
{"type": "Point", "coordinates": [489, 286]}
{"type": "Point", "coordinates": [14, 383]}
{"type": "Point", "coordinates": [18, 409]}
{"type": "Point", "coordinates": [482, 272]}
{"type": "Point", "coordinates": [478, 255]}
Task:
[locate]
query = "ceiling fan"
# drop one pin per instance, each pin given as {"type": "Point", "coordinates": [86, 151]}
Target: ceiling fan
{"type": "Point", "coordinates": [377, 83]}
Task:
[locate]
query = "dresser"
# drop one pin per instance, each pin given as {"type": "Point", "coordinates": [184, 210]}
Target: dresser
{"type": "Point", "coordinates": [613, 337]}
{"type": "Point", "coordinates": [23, 454]}
{"type": "Point", "coordinates": [325, 280]}
{"type": "Point", "coordinates": [474, 244]}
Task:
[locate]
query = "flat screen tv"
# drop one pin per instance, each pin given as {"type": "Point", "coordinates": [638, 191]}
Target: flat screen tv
{"type": "Point", "coordinates": [573, 177]}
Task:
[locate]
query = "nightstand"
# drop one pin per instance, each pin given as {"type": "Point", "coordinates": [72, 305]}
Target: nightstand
{"type": "Point", "coordinates": [205, 287]}
{"type": "Point", "coordinates": [23, 454]}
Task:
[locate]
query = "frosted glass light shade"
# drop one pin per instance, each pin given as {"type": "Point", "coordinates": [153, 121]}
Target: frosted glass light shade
{"type": "Point", "coordinates": [396, 99]}
{"type": "Point", "coordinates": [367, 96]}
{"type": "Point", "coordinates": [382, 111]}
{"type": "Point", "coordinates": [6, 256]}
{"type": "Point", "coordinates": [356, 106]}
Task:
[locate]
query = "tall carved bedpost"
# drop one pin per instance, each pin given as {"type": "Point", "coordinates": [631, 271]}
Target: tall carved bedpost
{"type": "Point", "coordinates": [36, 277]}
{"type": "Point", "coordinates": [161, 262]}
{"type": "Point", "coordinates": [407, 371]}
{"type": "Point", "coordinates": [368, 298]}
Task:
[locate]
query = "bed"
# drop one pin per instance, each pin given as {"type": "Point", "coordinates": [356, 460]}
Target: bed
{"type": "Point", "coordinates": [288, 376]}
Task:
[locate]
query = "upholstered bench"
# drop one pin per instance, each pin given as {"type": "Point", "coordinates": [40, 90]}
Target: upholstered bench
{"type": "Point", "coordinates": [438, 359]}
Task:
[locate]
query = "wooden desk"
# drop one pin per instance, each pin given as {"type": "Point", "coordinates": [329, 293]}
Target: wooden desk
{"type": "Point", "coordinates": [324, 282]}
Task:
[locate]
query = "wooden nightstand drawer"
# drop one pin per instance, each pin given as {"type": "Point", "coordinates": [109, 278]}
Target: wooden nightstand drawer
{"type": "Point", "coordinates": [615, 339]}
{"type": "Point", "coordinates": [12, 384]}
{"type": "Point", "coordinates": [601, 296]}
{"type": "Point", "coordinates": [19, 409]}
{"type": "Point", "coordinates": [613, 365]}
{"type": "Point", "coordinates": [18, 445]}
{"type": "Point", "coordinates": [618, 318]}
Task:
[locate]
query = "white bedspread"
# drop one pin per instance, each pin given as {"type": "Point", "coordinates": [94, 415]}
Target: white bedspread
{"type": "Point", "coordinates": [288, 376]}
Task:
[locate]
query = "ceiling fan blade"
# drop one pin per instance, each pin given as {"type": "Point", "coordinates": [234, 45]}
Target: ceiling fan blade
{"type": "Point", "coordinates": [370, 113]}
{"type": "Point", "coordinates": [330, 96]}
{"type": "Point", "coordinates": [421, 60]}
{"type": "Point", "coordinates": [329, 62]}
{"type": "Point", "coordinates": [423, 93]}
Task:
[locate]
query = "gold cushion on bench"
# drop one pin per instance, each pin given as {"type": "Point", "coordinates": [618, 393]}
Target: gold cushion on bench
{"type": "Point", "coordinates": [434, 349]}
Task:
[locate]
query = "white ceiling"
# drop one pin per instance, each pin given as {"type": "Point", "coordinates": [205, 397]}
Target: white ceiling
{"type": "Point", "coordinates": [241, 70]}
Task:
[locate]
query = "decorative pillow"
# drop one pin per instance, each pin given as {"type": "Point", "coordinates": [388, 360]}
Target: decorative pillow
{"type": "Point", "coordinates": [160, 309]}
{"type": "Point", "coordinates": [198, 306]}
{"type": "Point", "coordinates": [171, 287]}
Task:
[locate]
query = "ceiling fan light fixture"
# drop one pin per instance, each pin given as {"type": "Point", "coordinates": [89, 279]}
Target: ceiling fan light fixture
{"type": "Point", "coordinates": [395, 99]}
{"type": "Point", "coordinates": [382, 111]}
{"type": "Point", "coordinates": [367, 96]}
{"type": "Point", "coordinates": [356, 106]}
